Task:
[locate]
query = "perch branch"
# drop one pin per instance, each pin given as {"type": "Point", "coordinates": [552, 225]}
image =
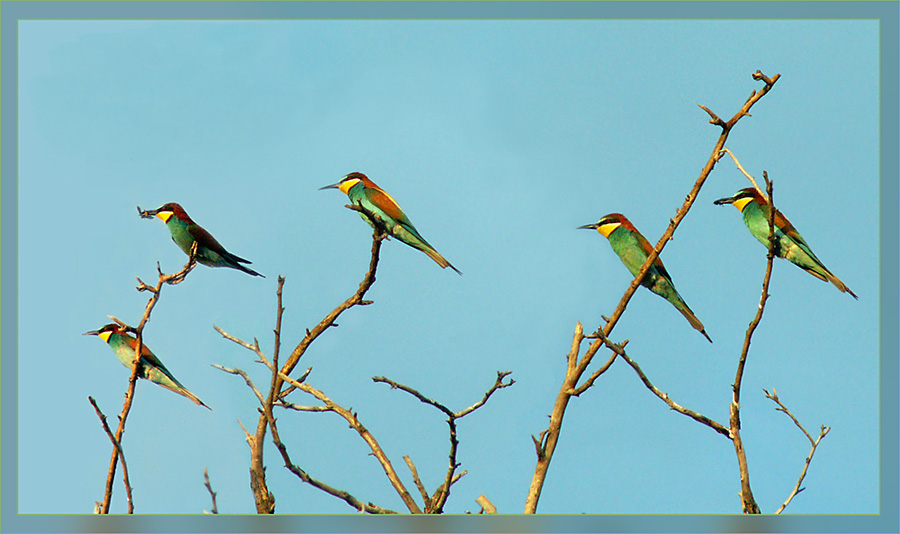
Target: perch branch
{"type": "Point", "coordinates": [549, 439]}
{"type": "Point", "coordinates": [748, 503]}
{"type": "Point", "coordinates": [170, 279]}
{"type": "Point", "coordinates": [265, 500]}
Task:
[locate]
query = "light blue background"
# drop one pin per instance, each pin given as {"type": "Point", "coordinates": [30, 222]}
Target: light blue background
{"type": "Point", "coordinates": [498, 138]}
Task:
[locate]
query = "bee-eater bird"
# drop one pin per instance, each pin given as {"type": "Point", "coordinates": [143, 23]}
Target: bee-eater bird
{"type": "Point", "coordinates": [366, 194]}
{"type": "Point", "coordinates": [124, 345]}
{"type": "Point", "coordinates": [789, 244]}
{"type": "Point", "coordinates": [633, 249]}
{"type": "Point", "coordinates": [185, 231]}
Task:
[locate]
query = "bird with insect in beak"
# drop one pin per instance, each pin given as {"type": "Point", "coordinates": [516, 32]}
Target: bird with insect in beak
{"type": "Point", "coordinates": [365, 194]}
{"type": "Point", "coordinates": [634, 249]}
{"type": "Point", "coordinates": [185, 232]}
{"type": "Point", "coordinates": [789, 244]}
{"type": "Point", "coordinates": [124, 345]}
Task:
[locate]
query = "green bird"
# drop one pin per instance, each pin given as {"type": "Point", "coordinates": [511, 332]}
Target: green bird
{"type": "Point", "coordinates": [789, 244]}
{"type": "Point", "coordinates": [633, 249]}
{"type": "Point", "coordinates": [365, 193]}
{"type": "Point", "coordinates": [185, 231]}
{"type": "Point", "coordinates": [124, 345]}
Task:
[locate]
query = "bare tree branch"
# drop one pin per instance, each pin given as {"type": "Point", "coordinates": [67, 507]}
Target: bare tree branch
{"type": "Point", "coordinates": [498, 384]}
{"type": "Point", "coordinates": [549, 438]}
{"type": "Point", "coordinates": [603, 368]}
{"type": "Point", "coordinates": [242, 374]}
{"type": "Point", "coordinates": [748, 503]}
{"type": "Point", "coordinates": [368, 508]}
{"type": "Point", "coordinates": [700, 418]}
{"type": "Point", "coordinates": [436, 503]}
{"type": "Point", "coordinates": [301, 408]}
{"type": "Point", "coordinates": [266, 410]}
{"type": "Point", "coordinates": [743, 171]}
{"type": "Point", "coordinates": [254, 347]}
{"type": "Point", "coordinates": [414, 393]}
{"type": "Point", "coordinates": [170, 279]}
{"type": "Point", "coordinates": [355, 300]}
{"type": "Point", "coordinates": [212, 494]}
{"type": "Point", "coordinates": [265, 499]}
{"type": "Point", "coordinates": [415, 474]}
{"type": "Point", "coordinates": [823, 431]}
{"type": "Point", "coordinates": [486, 505]}
{"type": "Point", "coordinates": [121, 454]}
{"type": "Point", "coordinates": [367, 436]}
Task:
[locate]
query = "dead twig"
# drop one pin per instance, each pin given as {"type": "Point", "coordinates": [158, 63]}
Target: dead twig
{"type": "Point", "coordinates": [121, 453]}
{"type": "Point", "coordinates": [743, 171]}
{"type": "Point", "coordinates": [435, 504]}
{"type": "Point", "coordinates": [212, 494]}
{"type": "Point", "coordinates": [364, 433]}
{"type": "Point", "coordinates": [700, 418]}
{"type": "Point", "coordinates": [823, 431]}
{"type": "Point", "coordinates": [487, 506]}
{"type": "Point", "coordinates": [243, 374]}
{"type": "Point", "coordinates": [415, 474]}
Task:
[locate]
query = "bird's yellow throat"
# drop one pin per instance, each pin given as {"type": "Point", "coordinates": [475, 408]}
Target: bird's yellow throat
{"type": "Point", "coordinates": [740, 203]}
{"type": "Point", "coordinates": [346, 186]}
{"type": "Point", "coordinates": [608, 228]}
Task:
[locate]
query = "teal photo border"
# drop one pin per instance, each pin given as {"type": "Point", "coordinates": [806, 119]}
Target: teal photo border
{"type": "Point", "coordinates": [886, 12]}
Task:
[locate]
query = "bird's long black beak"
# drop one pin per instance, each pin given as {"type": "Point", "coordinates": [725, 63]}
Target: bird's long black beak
{"type": "Point", "coordinates": [588, 227]}
{"type": "Point", "coordinates": [721, 201]}
{"type": "Point", "coordinates": [92, 333]}
{"type": "Point", "coordinates": [332, 186]}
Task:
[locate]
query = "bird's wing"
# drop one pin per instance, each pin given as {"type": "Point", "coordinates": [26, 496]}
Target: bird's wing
{"type": "Point", "coordinates": [146, 355]}
{"type": "Point", "coordinates": [648, 248]}
{"type": "Point", "coordinates": [387, 204]}
{"type": "Point", "coordinates": [202, 237]}
{"type": "Point", "coordinates": [785, 225]}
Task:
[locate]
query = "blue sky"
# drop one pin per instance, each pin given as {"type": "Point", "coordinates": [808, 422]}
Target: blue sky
{"type": "Point", "coordinates": [498, 138]}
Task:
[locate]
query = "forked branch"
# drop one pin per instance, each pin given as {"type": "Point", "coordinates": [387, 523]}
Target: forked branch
{"type": "Point", "coordinates": [170, 279]}
{"type": "Point", "coordinates": [823, 431]}
{"type": "Point", "coordinates": [435, 503]}
{"type": "Point", "coordinates": [700, 418]}
{"type": "Point", "coordinates": [546, 445]}
{"type": "Point", "coordinates": [265, 499]}
{"type": "Point", "coordinates": [121, 453]}
{"type": "Point", "coordinates": [212, 494]}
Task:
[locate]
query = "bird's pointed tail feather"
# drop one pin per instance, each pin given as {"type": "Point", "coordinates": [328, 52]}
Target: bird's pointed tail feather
{"type": "Point", "coordinates": [440, 260]}
{"type": "Point", "coordinates": [840, 285]}
{"type": "Point", "coordinates": [193, 398]}
{"type": "Point", "coordinates": [689, 315]}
